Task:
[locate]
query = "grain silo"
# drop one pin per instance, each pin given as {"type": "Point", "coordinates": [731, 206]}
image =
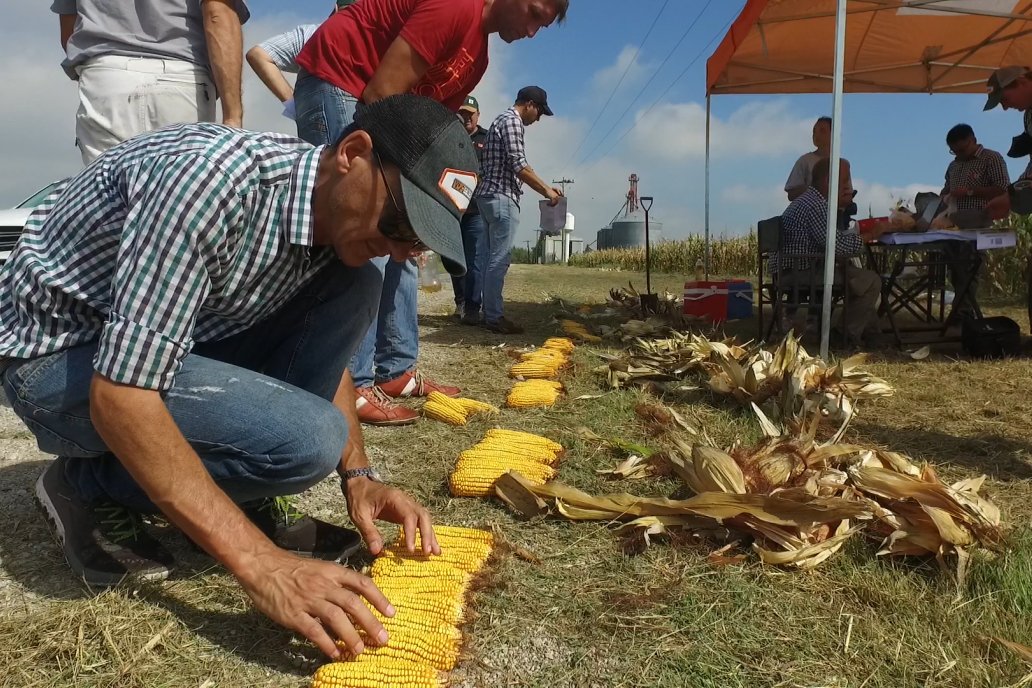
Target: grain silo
{"type": "Point", "coordinates": [627, 229]}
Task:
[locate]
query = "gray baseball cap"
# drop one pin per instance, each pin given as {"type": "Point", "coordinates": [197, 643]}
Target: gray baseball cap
{"type": "Point", "coordinates": [439, 168]}
{"type": "Point", "coordinates": [1001, 79]}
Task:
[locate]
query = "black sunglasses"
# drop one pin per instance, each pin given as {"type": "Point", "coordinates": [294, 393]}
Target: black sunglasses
{"type": "Point", "coordinates": [401, 229]}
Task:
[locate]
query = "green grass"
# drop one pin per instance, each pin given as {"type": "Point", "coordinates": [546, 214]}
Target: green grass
{"type": "Point", "coordinates": [587, 614]}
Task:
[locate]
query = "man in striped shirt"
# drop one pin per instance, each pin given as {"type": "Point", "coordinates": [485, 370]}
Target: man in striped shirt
{"type": "Point", "coordinates": [175, 325]}
{"type": "Point", "coordinates": [504, 170]}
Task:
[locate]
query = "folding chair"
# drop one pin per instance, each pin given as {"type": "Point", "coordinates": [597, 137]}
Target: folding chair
{"type": "Point", "coordinates": [768, 239]}
{"type": "Point", "coordinates": [805, 289]}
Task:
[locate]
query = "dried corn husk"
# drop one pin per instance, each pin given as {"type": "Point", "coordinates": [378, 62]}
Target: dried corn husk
{"type": "Point", "coordinates": [791, 383]}
{"type": "Point", "coordinates": [669, 359]}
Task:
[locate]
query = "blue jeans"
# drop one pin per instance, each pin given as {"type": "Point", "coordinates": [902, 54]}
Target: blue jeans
{"type": "Point", "coordinates": [322, 111]}
{"type": "Point", "coordinates": [391, 345]}
{"type": "Point", "coordinates": [392, 342]}
{"type": "Point", "coordinates": [502, 218]}
{"type": "Point", "coordinates": [474, 245]}
{"type": "Point", "coordinates": [256, 407]}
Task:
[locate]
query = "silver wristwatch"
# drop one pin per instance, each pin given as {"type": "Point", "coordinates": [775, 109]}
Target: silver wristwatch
{"type": "Point", "coordinates": [367, 472]}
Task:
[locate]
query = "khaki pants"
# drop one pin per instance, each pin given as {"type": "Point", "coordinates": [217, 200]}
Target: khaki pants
{"type": "Point", "coordinates": [120, 97]}
{"type": "Point", "coordinates": [864, 289]}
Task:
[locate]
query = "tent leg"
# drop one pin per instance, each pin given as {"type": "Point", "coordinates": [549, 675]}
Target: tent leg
{"type": "Point", "coordinates": [706, 244]}
{"type": "Point", "coordinates": [833, 181]}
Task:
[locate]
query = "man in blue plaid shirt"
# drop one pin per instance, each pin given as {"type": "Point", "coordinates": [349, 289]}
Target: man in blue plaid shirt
{"type": "Point", "coordinates": [804, 227]}
{"type": "Point", "coordinates": [504, 169]}
{"type": "Point", "coordinates": [176, 323]}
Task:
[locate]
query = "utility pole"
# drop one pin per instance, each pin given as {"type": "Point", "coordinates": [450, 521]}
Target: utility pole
{"type": "Point", "coordinates": [562, 183]}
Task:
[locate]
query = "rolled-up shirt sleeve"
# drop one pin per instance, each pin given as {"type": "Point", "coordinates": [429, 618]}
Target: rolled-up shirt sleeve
{"type": "Point", "coordinates": [63, 7]}
{"type": "Point", "coordinates": [284, 48]}
{"type": "Point", "coordinates": [178, 215]}
{"type": "Point", "coordinates": [516, 152]}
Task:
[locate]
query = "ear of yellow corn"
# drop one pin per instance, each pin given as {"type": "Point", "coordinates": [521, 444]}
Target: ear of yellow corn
{"type": "Point", "coordinates": [532, 393]}
{"type": "Point", "coordinates": [468, 559]}
{"type": "Point", "coordinates": [473, 406]}
{"type": "Point", "coordinates": [455, 534]}
{"type": "Point", "coordinates": [479, 467]}
{"type": "Point", "coordinates": [519, 438]}
{"type": "Point", "coordinates": [417, 640]}
{"type": "Point", "coordinates": [428, 595]}
{"type": "Point", "coordinates": [578, 330]}
{"type": "Point", "coordinates": [544, 355]}
{"type": "Point", "coordinates": [454, 411]}
{"type": "Point", "coordinates": [563, 344]}
{"type": "Point", "coordinates": [531, 370]}
{"type": "Point", "coordinates": [386, 671]}
{"type": "Point", "coordinates": [498, 453]}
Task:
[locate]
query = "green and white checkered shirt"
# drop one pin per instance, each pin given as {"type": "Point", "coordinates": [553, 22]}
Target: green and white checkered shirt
{"type": "Point", "coordinates": [188, 234]}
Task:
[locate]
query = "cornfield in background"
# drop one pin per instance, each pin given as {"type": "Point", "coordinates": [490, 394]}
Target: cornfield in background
{"type": "Point", "coordinates": [728, 257]}
{"type": "Point", "coordinates": [1004, 272]}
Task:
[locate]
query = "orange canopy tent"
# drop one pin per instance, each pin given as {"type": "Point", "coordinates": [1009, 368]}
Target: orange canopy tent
{"type": "Point", "coordinates": [892, 46]}
{"type": "Point", "coordinates": [864, 46]}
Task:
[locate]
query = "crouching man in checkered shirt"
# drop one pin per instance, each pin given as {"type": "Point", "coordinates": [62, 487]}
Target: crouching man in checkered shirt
{"type": "Point", "coordinates": [176, 323]}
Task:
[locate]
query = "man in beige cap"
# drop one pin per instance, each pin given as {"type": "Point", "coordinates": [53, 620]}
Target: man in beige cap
{"type": "Point", "coordinates": [1012, 87]}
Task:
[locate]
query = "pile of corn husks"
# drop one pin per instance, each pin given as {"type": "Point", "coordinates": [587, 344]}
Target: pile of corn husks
{"type": "Point", "coordinates": [787, 382]}
{"type": "Point", "coordinates": [795, 500]}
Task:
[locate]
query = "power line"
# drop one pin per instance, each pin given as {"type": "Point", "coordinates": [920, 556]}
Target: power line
{"type": "Point", "coordinates": [649, 82]}
{"type": "Point", "coordinates": [673, 83]}
{"type": "Point", "coordinates": [618, 83]}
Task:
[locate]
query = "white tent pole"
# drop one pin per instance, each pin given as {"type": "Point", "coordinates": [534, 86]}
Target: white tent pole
{"type": "Point", "coordinates": [833, 181]}
{"type": "Point", "coordinates": [706, 248]}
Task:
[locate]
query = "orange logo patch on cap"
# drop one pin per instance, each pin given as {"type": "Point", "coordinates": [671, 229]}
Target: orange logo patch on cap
{"type": "Point", "coordinates": [458, 186]}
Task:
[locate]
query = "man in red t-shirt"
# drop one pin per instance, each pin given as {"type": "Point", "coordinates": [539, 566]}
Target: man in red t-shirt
{"type": "Point", "coordinates": [377, 48]}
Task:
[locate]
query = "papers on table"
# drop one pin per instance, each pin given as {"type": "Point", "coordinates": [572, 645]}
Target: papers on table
{"type": "Point", "coordinates": [985, 239]}
{"type": "Point", "coordinates": [553, 218]}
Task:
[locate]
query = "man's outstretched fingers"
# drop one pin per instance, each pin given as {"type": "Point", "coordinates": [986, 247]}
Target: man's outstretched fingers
{"type": "Point", "coordinates": [360, 616]}
{"type": "Point", "coordinates": [334, 618]}
{"type": "Point", "coordinates": [364, 586]}
{"type": "Point", "coordinates": [409, 525]}
{"type": "Point", "coordinates": [372, 537]}
{"type": "Point", "coordinates": [426, 533]}
{"type": "Point", "coordinates": [311, 628]}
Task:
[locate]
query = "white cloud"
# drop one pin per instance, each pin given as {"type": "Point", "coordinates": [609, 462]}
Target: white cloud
{"type": "Point", "coordinates": [675, 131]}
{"type": "Point", "coordinates": [753, 146]}
{"type": "Point", "coordinates": [765, 201]}
{"type": "Point", "coordinates": [878, 199]}
{"type": "Point", "coordinates": [607, 78]}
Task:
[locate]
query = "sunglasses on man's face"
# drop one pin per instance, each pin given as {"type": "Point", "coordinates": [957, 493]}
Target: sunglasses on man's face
{"type": "Point", "coordinates": [399, 229]}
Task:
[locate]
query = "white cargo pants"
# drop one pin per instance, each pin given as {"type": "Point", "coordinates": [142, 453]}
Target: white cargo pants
{"type": "Point", "coordinates": [120, 97]}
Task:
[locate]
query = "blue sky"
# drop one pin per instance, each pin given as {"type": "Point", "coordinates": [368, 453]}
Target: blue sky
{"type": "Point", "coordinates": [896, 143]}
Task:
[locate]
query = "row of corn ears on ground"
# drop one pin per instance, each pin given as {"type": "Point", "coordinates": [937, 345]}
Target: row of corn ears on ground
{"type": "Point", "coordinates": [429, 594]}
{"type": "Point", "coordinates": [537, 385]}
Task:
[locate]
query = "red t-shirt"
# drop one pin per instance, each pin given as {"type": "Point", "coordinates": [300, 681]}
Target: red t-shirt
{"type": "Point", "coordinates": [346, 49]}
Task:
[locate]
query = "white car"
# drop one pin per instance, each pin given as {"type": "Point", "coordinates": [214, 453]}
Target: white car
{"type": "Point", "coordinates": [13, 221]}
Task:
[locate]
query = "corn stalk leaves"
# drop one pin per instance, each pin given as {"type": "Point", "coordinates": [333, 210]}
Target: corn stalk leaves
{"type": "Point", "coordinates": [720, 507]}
{"type": "Point", "coordinates": [808, 556]}
{"type": "Point", "coordinates": [634, 467]}
{"type": "Point", "coordinates": [790, 384]}
{"type": "Point", "coordinates": [666, 360]}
